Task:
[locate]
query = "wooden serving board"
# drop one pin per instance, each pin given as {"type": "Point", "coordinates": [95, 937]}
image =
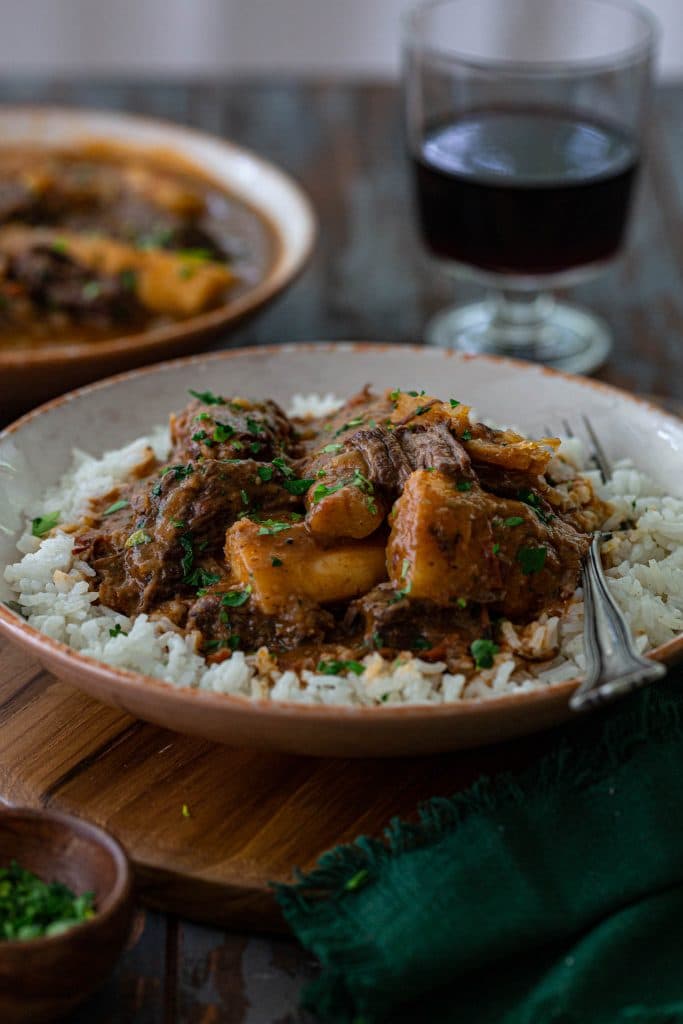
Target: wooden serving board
{"type": "Point", "coordinates": [253, 817]}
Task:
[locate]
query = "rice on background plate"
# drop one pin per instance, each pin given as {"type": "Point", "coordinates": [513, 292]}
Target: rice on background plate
{"type": "Point", "coordinates": [53, 591]}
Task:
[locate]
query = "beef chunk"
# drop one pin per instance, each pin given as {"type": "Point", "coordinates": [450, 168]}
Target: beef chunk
{"type": "Point", "coordinates": [392, 455]}
{"type": "Point", "coordinates": [53, 280]}
{"type": "Point", "coordinates": [223, 626]}
{"type": "Point", "coordinates": [230, 429]}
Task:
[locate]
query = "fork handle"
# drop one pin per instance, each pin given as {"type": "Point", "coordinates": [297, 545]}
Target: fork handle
{"type": "Point", "coordinates": [613, 666]}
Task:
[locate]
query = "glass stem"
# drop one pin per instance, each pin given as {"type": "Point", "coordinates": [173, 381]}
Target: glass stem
{"type": "Point", "coordinates": [518, 317]}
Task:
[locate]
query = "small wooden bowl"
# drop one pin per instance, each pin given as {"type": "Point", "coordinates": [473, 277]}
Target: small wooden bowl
{"type": "Point", "coordinates": [42, 979]}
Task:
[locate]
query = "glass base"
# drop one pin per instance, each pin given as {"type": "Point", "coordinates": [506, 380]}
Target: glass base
{"type": "Point", "coordinates": [533, 327]}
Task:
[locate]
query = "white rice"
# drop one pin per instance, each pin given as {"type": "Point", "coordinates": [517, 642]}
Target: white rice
{"type": "Point", "coordinates": [53, 590]}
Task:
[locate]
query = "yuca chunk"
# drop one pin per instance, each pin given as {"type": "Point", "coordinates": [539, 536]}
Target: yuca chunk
{"type": "Point", "coordinates": [289, 562]}
{"type": "Point", "coordinates": [459, 545]}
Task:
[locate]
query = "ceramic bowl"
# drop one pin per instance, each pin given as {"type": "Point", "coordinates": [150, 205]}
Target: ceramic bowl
{"type": "Point", "coordinates": [42, 979]}
{"type": "Point", "coordinates": [29, 375]}
{"type": "Point", "coordinates": [113, 412]}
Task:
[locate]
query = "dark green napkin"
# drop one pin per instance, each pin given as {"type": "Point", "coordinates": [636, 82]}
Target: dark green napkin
{"type": "Point", "coordinates": [555, 897]}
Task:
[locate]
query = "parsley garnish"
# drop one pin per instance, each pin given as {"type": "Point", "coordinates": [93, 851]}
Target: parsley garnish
{"type": "Point", "coordinates": [128, 279]}
{"type": "Point", "coordinates": [223, 432]}
{"type": "Point", "coordinates": [463, 485]}
{"type": "Point", "coordinates": [297, 486]}
{"type": "Point", "coordinates": [333, 668]}
{"type": "Point", "coordinates": [275, 562]}
{"type": "Point", "coordinates": [43, 524]}
{"type": "Point", "coordinates": [355, 422]}
{"type": "Point", "coordinates": [187, 560]}
{"type": "Point", "coordinates": [467, 436]}
{"type": "Point", "coordinates": [116, 507]}
{"type": "Point", "coordinates": [420, 644]}
{"type": "Point", "coordinates": [454, 403]}
{"type": "Point", "coordinates": [377, 639]}
{"type": "Point", "coordinates": [513, 521]}
{"type": "Point", "coordinates": [253, 426]}
{"type": "Point", "coordinates": [208, 397]}
{"type": "Point", "coordinates": [461, 602]}
{"type": "Point", "coordinates": [483, 652]}
{"type": "Point", "coordinates": [330, 448]}
{"type": "Point", "coordinates": [272, 526]}
{"type": "Point", "coordinates": [496, 548]}
{"type": "Point", "coordinates": [236, 598]}
{"type": "Point", "coordinates": [283, 467]}
{"type": "Point", "coordinates": [117, 631]}
{"type": "Point", "coordinates": [31, 908]}
{"type": "Point", "coordinates": [358, 880]}
{"type": "Point", "coordinates": [202, 579]}
{"type": "Point", "coordinates": [531, 559]}
{"type": "Point", "coordinates": [532, 499]}
{"type": "Point", "coordinates": [255, 447]}
{"type": "Point", "coordinates": [91, 290]}
{"type": "Point", "coordinates": [265, 472]}
{"type": "Point", "coordinates": [137, 538]}
{"type": "Point", "coordinates": [244, 496]}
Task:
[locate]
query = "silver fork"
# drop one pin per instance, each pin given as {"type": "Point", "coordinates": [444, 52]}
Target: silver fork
{"type": "Point", "coordinates": [613, 665]}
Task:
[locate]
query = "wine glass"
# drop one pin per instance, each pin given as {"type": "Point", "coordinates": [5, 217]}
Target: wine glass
{"type": "Point", "coordinates": [525, 123]}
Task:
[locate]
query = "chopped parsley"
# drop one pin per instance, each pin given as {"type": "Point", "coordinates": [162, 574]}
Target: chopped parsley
{"type": "Point", "coordinates": [61, 246]}
{"type": "Point", "coordinates": [276, 562]}
{"type": "Point", "coordinates": [202, 579]}
{"type": "Point", "coordinates": [43, 524]}
{"type": "Point", "coordinates": [358, 880]}
{"type": "Point", "coordinates": [463, 485]}
{"type": "Point", "coordinates": [187, 561]}
{"type": "Point", "coordinates": [265, 473]}
{"type": "Point", "coordinates": [404, 591]}
{"type": "Point", "coordinates": [254, 426]}
{"type": "Point", "coordinates": [324, 490]}
{"type": "Point", "coordinates": [333, 668]}
{"type": "Point", "coordinates": [461, 602]}
{"type": "Point", "coordinates": [236, 598]}
{"type": "Point", "coordinates": [244, 496]}
{"type": "Point", "coordinates": [377, 639]}
{"type": "Point", "coordinates": [208, 397]}
{"type": "Point", "coordinates": [483, 652]}
{"type": "Point", "coordinates": [420, 644]}
{"type": "Point", "coordinates": [137, 538]}
{"type": "Point", "coordinates": [283, 467]}
{"type": "Point", "coordinates": [202, 435]}
{"type": "Point", "coordinates": [203, 416]}
{"type": "Point", "coordinates": [357, 421]}
{"type": "Point", "coordinates": [496, 548]}
{"type": "Point", "coordinates": [297, 486]}
{"type": "Point", "coordinates": [454, 403]}
{"type": "Point", "coordinates": [467, 436]}
{"type": "Point", "coordinates": [128, 279]}
{"type": "Point", "coordinates": [255, 447]}
{"type": "Point", "coordinates": [179, 472]}
{"type": "Point", "coordinates": [31, 908]}
{"type": "Point", "coordinates": [532, 499]}
{"type": "Point", "coordinates": [395, 395]}
{"type": "Point", "coordinates": [91, 291]}
{"type": "Point", "coordinates": [513, 521]}
{"type": "Point", "coordinates": [117, 631]}
{"type": "Point", "coordinates": [330, 448]}
{"type": "Point", "coordinates": [222, 432]}
{"type": "Point", "coordinates": [531, 559]}
{"type": "Point", "coordinates": [269, 527]}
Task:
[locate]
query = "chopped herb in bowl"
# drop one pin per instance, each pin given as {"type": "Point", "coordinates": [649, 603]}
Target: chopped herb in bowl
{"type": "Point", "coordinates": [31, 908]}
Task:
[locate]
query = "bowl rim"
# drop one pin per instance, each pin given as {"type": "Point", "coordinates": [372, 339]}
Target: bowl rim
{"type": "Point", "coordinates": [120, 893]}
{"type": "Point", "coordinates": [277, 278]}
{"type": "Point", "coordinates": [17, 629]}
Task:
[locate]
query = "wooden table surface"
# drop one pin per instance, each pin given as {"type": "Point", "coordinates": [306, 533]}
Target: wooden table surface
{"type": "Point", "coordinates": [368, 279]}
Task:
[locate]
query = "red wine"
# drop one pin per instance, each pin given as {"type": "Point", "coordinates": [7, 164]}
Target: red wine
{"type": "Point", "coordinates": [525, 191]}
